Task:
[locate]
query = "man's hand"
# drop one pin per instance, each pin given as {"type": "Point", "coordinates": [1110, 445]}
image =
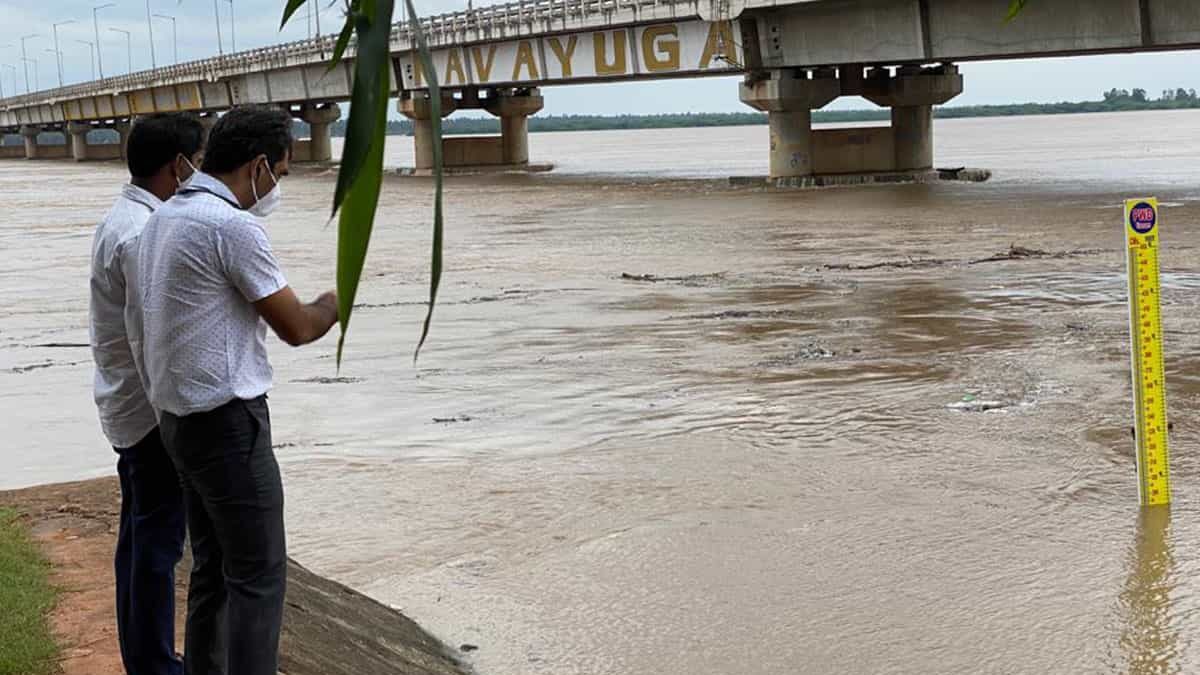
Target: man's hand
{"type": "Point", "coordinates": [295, 323]}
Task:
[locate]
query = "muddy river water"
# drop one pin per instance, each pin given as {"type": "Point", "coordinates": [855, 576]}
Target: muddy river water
{"type": "Point", "coordinates": [828, 435]}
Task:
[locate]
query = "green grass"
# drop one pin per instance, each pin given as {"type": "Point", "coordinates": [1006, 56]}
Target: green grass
{"type": "Point", "coordinates": [26, 597]}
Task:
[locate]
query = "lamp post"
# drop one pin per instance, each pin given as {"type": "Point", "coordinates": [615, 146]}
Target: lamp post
{"type": "Point", "coordinates": [150, 27]}
{"type": "Point", "coordinates": [217, 13]}
{"type": "Point", "coordinates": [128, 46]}
{"type": "Point", "coordinates": [14, 77]}
{"type": "Point", "coordinates": [96, 25]}
{"type": "Point", "coordinates": [91, 54]}
{"type": "Point", "coordinates": [174, 35]}
{"type": "Point", "coordinates": [57, 51]}
{"type": "Point", "coordinates": [25, 60]}
{"type": "Point", "coordinates": [37, 85]}
{"type": "Point", "coordinates": [57, 59]}
{"type": "Point", "coordinates": [232, 29]}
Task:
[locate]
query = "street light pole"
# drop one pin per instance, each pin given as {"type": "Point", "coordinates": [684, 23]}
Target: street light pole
{"type": "Point", "coordinates": [96, 25]}
{"type": "Point", "coordinates": [91, 55]}
{"type": "Point", "coordinates": [57, 59]}
{"type": "Point", "coordinates": [150, 27]}
{"type": "Point", "coordinates": [58, 52]}
{"type": "Point", "coordinates": [217, 12]}
{"type": "Point", "coordinates": [128, 47]}
{"type": "Point", "coordinates": [174, 35]}
{"type": "Point", "coordinates": [37, 85]}
{"type": "Point", "coordinates": [25, 60]}
{"type": "Point", "coordinates": [14, 77]}
{"type": "Point", "coordinates": [232, 29]}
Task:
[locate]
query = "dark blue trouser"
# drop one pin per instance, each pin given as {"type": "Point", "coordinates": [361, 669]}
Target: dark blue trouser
{"type": "Point", "coordinates": [234, 500]}
{"type": "Point", "coordinates": [149, 544]}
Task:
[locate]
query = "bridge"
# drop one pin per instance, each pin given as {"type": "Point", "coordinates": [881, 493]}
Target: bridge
{"type": "Point", "coordinates": [794, 56]}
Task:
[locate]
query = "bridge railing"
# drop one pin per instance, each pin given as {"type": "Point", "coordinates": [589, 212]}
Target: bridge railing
{"type": "Point", "coordinates": [439, 29]}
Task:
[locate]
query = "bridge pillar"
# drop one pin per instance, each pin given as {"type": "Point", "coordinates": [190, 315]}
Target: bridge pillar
{"type": "Point", "coordinates": [122, 128]}
{"type": "Point", "coordinates": [208, 121]}
{"type": "Point", "coordinates": [31, 144]}
{"type": "Point", "coordinates": [911, 94]}
{"type": "Point", "coordinates": [415, 106]}
{"type": "Point", "coordinates": [78, 132]}
{"type": "Point", "coordinates": [789, 97]}
{"type": "Point", "coordinates": [319, 119]}
{"type": "Point", "coordinates": [514, 110]}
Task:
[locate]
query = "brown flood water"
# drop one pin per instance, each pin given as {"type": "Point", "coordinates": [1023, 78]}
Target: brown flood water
{"type": "Point", "coordinates": [753, 465]}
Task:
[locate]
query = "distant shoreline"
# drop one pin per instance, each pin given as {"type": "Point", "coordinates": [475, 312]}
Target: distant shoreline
{"type": "Point", "coordinates": [1115, 101]}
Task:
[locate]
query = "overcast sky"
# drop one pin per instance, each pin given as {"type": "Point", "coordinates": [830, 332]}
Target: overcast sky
{"type": "Point", "coordinates": [257, 23]}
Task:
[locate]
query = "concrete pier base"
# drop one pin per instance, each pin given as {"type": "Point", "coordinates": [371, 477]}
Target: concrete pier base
{"type": "Point", "coordinates": [905, 148]}
{"type": "Point", "coordinates": [31, 141]}
{"type": "Point", "coordinates": [318, 147]}
{"type": "Point", "coordinates": [789, 97]}
{"type": "Point", "coordinates": [508, 151]}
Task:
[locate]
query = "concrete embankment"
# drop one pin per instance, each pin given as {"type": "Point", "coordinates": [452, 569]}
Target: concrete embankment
{"type": "Point", "coordinates": [328, 628]}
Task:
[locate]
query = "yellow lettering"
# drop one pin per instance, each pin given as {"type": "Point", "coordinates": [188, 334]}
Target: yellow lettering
{"type": "Point", "coordinates": [454, 66]}
{"type": "Point", "coordinates": [603, 65]}
{"type": "Point", "coordinates": [719, 43]}
{"type": "Point", "coordinates": [660, 56]}
{"type": "Point", "coordinates": [418, 73]}
{"type": "Point", "coordinates": [564, 55]}
{"type": "Point", "coordinates": [525, 58]}
{"type": "Point", "coordinates": [483, 70]}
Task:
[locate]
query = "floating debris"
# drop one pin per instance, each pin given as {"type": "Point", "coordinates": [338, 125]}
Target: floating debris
{"type": "Point", "coordinates": [329, 380]}
{"type": "Point", "coordinates": [452, 420]}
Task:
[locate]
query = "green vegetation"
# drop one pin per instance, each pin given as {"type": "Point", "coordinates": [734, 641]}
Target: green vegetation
{"type": "Point", "coordinates": [26, 597]}
{"type": "Point", "coordinates": [1115, 100]}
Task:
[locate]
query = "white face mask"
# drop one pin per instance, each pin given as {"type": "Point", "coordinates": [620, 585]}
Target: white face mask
{"type": "Point", "coordinates": [266, 205]}
{"type": "Point", "coordinates": [188, 181]}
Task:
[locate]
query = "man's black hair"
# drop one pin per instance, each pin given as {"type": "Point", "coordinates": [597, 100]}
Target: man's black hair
{"type": "Point", "coordinates": [156, 140]}
{"type": "Point", "coordinates": [246, 132]}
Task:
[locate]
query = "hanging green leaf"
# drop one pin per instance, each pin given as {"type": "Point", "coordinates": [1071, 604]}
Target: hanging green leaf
{"type": "Point", "coordinates": [372, 62]}
{"type": "Point", "coordinates": [290, 9]}
{"type": "Point", "coordinates": [435, 108]}
{"type": "Point", "coordinates": [357, 216]}
{"type": "Point", "coordinates": [361, 171]}
{"type": "Point", "coordinates": [1014, 8]}
{"type": "Point", "coordinates": [343, 41]}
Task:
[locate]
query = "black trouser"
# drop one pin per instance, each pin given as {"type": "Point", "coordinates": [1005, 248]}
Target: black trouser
{"type": "Point", "coordinates": [149, 544]}
{"type": "Point", "coordinates": [234, 500]}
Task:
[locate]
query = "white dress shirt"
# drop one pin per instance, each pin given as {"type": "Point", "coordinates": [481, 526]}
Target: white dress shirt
{"type": "Point", "coordinates": [126, 415]}
{"type": "Point", "coordinates": [203, 262]}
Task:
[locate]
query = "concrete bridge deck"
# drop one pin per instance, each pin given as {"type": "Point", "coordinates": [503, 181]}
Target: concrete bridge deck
{"type": "Point", "coordinates": [796, 55]}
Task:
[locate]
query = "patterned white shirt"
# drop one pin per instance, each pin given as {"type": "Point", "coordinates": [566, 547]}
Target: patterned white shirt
{"type": "Point", "coordinates": [126, 415]}
{"type": "Point", "coordinates": [203, 262]}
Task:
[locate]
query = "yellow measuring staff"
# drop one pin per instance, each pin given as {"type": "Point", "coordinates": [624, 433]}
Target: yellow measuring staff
{"type": "Point", "coordinates": [1142, 225]}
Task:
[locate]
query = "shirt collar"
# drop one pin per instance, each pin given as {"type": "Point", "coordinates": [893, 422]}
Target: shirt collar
{"type": "Point", "coordinates": [203, 182]}
{"type": "Point", "coordinates": [136, 194]}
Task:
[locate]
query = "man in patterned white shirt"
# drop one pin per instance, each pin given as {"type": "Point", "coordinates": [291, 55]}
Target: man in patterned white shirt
{"type": "Point", "coordinates": [210, 288]}
{"type": "Point", "coordinates": [162, 153]}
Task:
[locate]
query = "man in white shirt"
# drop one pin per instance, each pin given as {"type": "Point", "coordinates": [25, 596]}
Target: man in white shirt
{"type": "Point", "coordinates": [210, 288]}
{"type": "Point", "coordinates": [162, 152]}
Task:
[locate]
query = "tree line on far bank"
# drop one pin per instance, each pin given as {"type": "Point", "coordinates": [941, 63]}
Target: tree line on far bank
{"type": "Point", "coordinates": [1115, 100]}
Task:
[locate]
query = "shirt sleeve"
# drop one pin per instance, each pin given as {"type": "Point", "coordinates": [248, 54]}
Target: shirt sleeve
{"type": "Point", "coordinates": [248, 261]}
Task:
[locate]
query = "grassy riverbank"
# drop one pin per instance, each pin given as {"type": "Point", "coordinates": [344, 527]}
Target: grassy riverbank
{"type": "Point", "coordinates": [26, 597]}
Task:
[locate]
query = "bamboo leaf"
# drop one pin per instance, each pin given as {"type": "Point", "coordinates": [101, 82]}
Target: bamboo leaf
{"type": "Point", "coordinates": [361, 172]}
{"type": "Point", "coordinates": [435, 107]}
{"type": "Point", "coordinates": [343, 41]}
{"type": "Point", "coordinates": [1014, 8]}
{"type": "Point", "coordinates": [289, 10]}
{"type": "Point", "coordinates": [372, 63]}
{"type": "Point", "coordinates": [357, 216]}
